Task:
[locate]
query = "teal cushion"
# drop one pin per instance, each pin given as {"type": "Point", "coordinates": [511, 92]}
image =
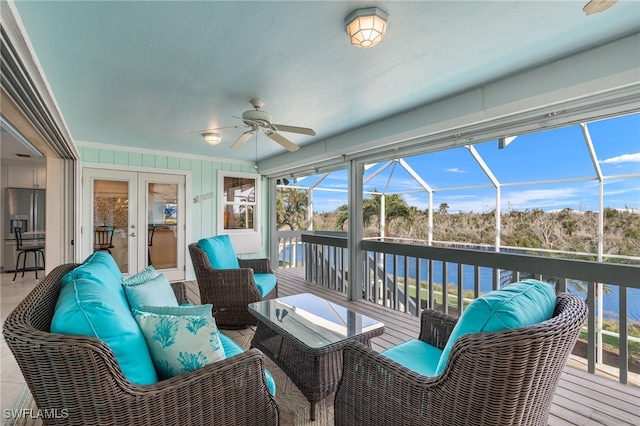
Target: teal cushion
{"type": "Point", "coordinates": [101, 268]}
{"type": "Point", "coordinates": [182, 310]}
{"type": "Point", "coordinates": [416, 355]}
{"type": "Point", "coordinates": [265, 283]}
{"type": "Point", "coordinates": [517, 305]}
{"type": "Point", "coordinates": [220, 252]}
{"type": "Point", "coordinates": [155, 292]}
{"type": "Point", "coordinates": [179, 344]}
{"type": "Point", "coordinates": [143, 276]}
{"type": "Point", "coordinates": [89, 309]}
{"type": "Point", "coordinates": [231, 348]}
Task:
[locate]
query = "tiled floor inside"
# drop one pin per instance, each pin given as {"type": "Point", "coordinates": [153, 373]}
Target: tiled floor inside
{"type": "Point", "coordinates": [11, 293]}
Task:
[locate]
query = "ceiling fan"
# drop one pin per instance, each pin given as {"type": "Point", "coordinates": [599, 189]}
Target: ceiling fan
{"type": "Point", "coordinates": [258, 120]}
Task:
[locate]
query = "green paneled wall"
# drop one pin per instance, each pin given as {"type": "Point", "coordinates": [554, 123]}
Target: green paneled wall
{"type": "Point", "coordinates": [202, 179]}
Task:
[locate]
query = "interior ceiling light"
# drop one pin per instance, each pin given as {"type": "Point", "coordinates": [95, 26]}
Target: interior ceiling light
{"type": "Point", "coordinates": [366, 27]}
{"type": "Point", "coordinates": [212, 138]}
{"type": "Point", "coordinates": [595, 6]}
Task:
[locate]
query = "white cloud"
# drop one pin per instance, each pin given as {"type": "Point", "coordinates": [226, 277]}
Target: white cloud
{"type": "Point", "coordinates": [624, 158]}
{"type": "Point", "coordinates": [455, 170]}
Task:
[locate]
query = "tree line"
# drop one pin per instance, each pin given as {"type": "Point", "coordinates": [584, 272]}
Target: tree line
{"type": "Point", "coordinates": [565, 230]}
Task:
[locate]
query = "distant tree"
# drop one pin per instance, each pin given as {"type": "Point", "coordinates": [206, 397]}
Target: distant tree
{"type": "Point", "coordinates": [395, 207]}
{"type": "Point", "coordinates": [342, 215]}
{"type": "Point", "coordinates": [444, 208]}
{"type": "Point", "coordinates": [291, 209]}
{"type": "Point", "coordinates": [570, 225]}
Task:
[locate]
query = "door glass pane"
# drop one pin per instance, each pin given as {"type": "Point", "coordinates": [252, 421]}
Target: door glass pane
{"type": "Point", "coordinates": [162, 214]}
{"type": "Point", "coordinates": [111, 220]}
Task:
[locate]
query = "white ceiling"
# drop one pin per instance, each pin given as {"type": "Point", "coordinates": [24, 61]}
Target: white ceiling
{"type": "Point", "coordinates": [145, 74]}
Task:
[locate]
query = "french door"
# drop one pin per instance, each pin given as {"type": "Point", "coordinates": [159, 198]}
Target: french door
{"type": "Point", "coordinates": [143, 216]}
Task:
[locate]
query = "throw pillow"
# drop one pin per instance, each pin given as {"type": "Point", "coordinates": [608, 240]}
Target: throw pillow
{"type": "Point", "coordinates": [179, 311]}
{"type": "Point", "coordinates": [155, 292]}
{"type": "Point", "coordinates": [141, 277]}
{"type": "Point", "coordinates": [179, 344]}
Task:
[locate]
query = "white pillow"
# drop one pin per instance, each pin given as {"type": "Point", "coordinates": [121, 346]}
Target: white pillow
{"type": "Point", "coordinates": [179, 344]}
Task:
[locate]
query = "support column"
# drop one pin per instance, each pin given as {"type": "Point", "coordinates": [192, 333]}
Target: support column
{"type": "Point", "coordinates": [354, 236]}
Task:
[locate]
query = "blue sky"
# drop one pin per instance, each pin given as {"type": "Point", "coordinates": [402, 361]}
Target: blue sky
{"type": "Point", "coordinates": [534, 158]}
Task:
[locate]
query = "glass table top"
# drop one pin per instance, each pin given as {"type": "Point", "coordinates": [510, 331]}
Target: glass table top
{"type": "Point", "coordinates": [313, 320]}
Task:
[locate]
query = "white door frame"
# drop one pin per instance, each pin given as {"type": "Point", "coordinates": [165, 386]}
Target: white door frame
{"type": "Point", "coordinates": [138, 178]}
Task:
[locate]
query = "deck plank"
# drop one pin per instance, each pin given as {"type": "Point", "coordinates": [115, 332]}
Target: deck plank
{"type": "Point", "coordinates": [581, 398]}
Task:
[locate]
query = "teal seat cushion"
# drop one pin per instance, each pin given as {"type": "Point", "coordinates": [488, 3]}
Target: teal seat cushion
{"type": "Point", "coordinates": [517, 305]}
{"type": "Point", "coordinates": [220, 252]}
{"type": "Point", "coordinates": [265, 283]}
{"type": "Point", "coordinates": [154, 292]}
{"type": "Point", "coordinates": [231, 348]}
{"type": "Point", "coordinates": [101, 268]}
{"type": "Point", "coordinates": [416, 355]}
{"type": "Point", "coordinates": [89, 309]}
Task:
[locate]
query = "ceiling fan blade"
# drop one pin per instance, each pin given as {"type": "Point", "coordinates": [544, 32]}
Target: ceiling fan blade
{"type": "Point", "coordinates": [239, 143]}
{"type": "Point", "coordinates": [282, 141]}
{"type": "Point", "coordinates": [293, 129]}
{"type": "Point", "coordinates": [217, 128]}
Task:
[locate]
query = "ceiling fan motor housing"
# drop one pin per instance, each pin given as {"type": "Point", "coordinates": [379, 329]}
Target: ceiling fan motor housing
{"type": "Point", "coordinates": [252, 117]}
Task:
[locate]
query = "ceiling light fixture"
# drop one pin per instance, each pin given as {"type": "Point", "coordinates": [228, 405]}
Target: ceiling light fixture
{"type": "Point", "coordinates": [366, 27]}
{"type": "Point", "coordinates": [212, 138]}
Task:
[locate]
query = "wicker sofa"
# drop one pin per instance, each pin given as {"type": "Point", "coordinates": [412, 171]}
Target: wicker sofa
{"type": "Point", "coordinates": [79, 379]}
{"type": "Point", "coordinates": [497, 378]}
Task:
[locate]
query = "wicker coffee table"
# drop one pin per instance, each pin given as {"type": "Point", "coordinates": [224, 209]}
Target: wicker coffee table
{"type": "Point", "coordinates": [304, 335]}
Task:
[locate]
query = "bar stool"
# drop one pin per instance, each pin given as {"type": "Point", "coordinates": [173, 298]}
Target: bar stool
{"type": "Point", "coordinates": [23, 250]}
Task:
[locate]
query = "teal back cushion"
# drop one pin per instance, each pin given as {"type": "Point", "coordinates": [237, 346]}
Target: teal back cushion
{"type": "Point", "coordinates": [519, 304]}
{"type": "Point", "coordinates": [220, 252]}
{"type": "Point", "coordinates": [101, 268]}
{"type": "Point", "coordinates": [90, 309]}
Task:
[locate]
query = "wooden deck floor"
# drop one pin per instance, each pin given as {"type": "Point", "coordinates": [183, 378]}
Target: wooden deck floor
{"type": "Point", "coordinates": [581, 398]}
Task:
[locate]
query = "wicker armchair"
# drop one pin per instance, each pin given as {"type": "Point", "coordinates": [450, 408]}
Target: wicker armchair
{"type": "Point", "coordinates": [230, 290]}
{"type": "Point", "coordinates": [78, 379]}
{"type": "Point", "coordinates": [500, 378]}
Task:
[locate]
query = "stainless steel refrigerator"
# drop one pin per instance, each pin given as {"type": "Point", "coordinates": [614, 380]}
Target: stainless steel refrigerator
{"type": "Point", "coordinates": [25, 209]}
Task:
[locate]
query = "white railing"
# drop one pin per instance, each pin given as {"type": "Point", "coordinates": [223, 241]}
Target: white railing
{"type": "Point", "coordinates": [395, 271]}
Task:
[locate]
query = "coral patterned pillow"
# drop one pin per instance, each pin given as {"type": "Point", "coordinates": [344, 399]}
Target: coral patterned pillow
{"type": "Point", "coordinates": [179, 344]}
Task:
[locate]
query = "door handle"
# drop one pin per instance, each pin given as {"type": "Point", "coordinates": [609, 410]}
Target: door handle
{"type": "Point", "coordinates": [133, 234]}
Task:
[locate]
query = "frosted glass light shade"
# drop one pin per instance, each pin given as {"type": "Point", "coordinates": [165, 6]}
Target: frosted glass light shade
{"type": "Point", "coordinates": [212, 138]}
{"type": "Point", "coordinates": [366, 27]}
